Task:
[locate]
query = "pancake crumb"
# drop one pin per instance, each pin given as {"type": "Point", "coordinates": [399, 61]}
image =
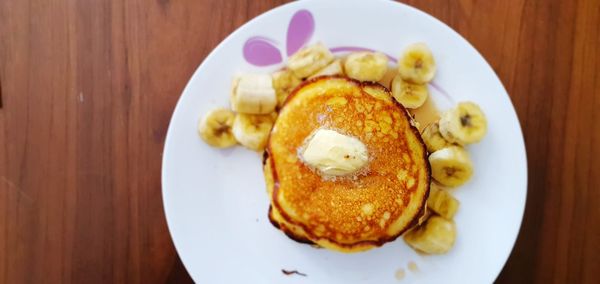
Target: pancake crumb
{"type": "Point", "coordinates": [400, 274]}
{"type": "Point", "coordinates": [412, 266]}
{"type": "Point", "coordinates": [290, 272]}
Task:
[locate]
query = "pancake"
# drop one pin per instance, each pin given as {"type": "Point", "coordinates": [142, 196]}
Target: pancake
{"type": "Point", "coordinates": [294, 232]}
{"type": "Point", "coordinates": [356, 213]}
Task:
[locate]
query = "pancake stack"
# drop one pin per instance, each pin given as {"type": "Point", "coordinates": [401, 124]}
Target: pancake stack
{"type": "Point", "coordinates": [349, 213]}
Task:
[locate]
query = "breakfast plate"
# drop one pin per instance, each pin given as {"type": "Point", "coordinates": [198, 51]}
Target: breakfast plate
{"type": "Point", "coordinates": [216, 202]}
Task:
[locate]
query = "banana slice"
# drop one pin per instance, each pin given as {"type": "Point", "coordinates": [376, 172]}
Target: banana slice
{"type": "Point", "coordinates": [335, 68]}
{"type": "Point", "coordinates": [433, 138]}
{"type": "Point", "coordinates": [464, 124]}
{"type": "Point", "coordinates": [366, 66]}
{"type": "Point", "coordinates": [215, 128]}
{"type": "Point", "coordinates": [309, 60]}
{"type": "Point", "coordinates": [284, 82]}
{"type": "Point", "coordinates": [410, 95]}
{"type": "Point", "coordinates": [389, 76]}
{"type": "Point", "coordinates": [436, 236]}
{"type": "Point", "coordinates": [252, 130]}
{"type": "Point", "coordinates": [416, 64]}
{"type": "Point", "coordinates": [442, 202]}
{"type": "Point", "coordinates": [253, 94]}
{"type": "Point", "coordinates": [451, 166]}
{"type": "Point", "coordinates": [425, 216]}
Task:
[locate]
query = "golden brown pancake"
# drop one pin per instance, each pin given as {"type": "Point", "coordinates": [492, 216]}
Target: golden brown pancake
{"type": "Point", "coordinates": [356, 213]}
{"type": "Point", "coordinates": [295, 232]}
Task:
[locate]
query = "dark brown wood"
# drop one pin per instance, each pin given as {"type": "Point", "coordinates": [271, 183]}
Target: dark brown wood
{"type": "Point", "coordinates": [0, 94]}
{"type": "Point", "coordinates": [88, 88]}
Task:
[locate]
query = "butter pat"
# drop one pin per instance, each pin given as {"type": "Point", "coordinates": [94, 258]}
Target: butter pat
{"type": "Point", "coordinates": [334, 154]}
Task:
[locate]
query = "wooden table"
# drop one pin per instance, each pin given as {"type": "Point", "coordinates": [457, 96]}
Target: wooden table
{"type": "Point", "coordinates": [88, 88]}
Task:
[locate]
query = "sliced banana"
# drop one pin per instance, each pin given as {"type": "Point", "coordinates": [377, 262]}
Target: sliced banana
{"type": "Point", "coordinates": [335, 68]}
{"type": "Point", "coordinates": [309, 60]}
{"type": "Point", "coordinates": [442, 202]}
{"type": "Point", "coordinates": [253, 94]}
{"type": "Point", "coordinates": [464, 124]}
{"type": "Point", "coordinates": [284, 82]}
{"type": "Point", "coordinates": [416, 64]}
{"type": "Point", "coordinates": [436, 236]}
{"type": "Point", "coordinates": [389, 76]}
{"type": "Point", "coordinates": [410, 95]}
{"type": "Point", "coordinates": [215, 128]}
{"type": "Point", "coordinates": [366, 66]}
{"type": "Point", "coordinates": [433, 138]}
{"type": "Point", "coordinates": [252, 130]}
{"type": "Point", "coordinates": [425, 216]}
{"type": "Point", "coordinates": [451, 166]}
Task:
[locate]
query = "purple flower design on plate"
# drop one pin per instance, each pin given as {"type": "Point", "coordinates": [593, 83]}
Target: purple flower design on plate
{"type": "Point", "coordinates": [300, 30]}
{"type": "Point", "coordinates": [355, 48]}
{"type": "Point", "coordinates": [262, 51]}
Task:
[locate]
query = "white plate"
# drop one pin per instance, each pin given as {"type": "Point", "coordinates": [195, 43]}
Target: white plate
{"type": "Point", "coordinates": [215, 200]}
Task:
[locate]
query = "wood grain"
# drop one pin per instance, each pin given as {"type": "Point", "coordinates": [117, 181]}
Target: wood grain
{"type": "Point", "coordinates": [88, 87]}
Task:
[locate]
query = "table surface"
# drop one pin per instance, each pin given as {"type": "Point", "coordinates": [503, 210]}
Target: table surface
{"type": "Point", "coordinates": [88, 88]}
